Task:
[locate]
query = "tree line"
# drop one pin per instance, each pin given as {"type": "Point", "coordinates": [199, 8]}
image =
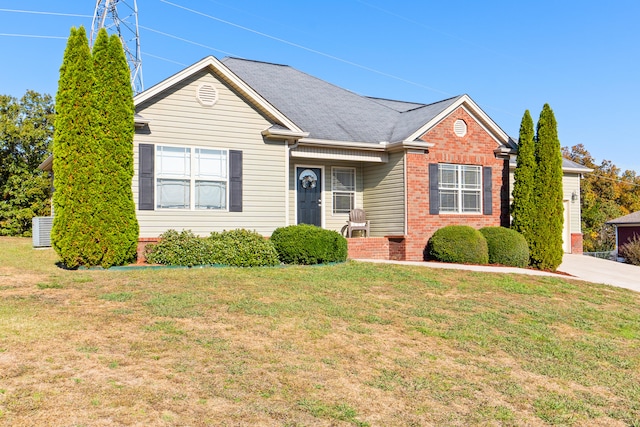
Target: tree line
{"type": "Point", "coordinates": [26, 134]}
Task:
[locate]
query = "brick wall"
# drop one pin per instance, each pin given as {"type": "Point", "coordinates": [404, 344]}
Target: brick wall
{"type": "Point", "coordinates": [475, 148]}
{"type": "Point", "coordinates": [142, 243]}
{"type": "Point", "coordinates": [368, 248]}
{"type": "Point", "coordinates": [576, 243]}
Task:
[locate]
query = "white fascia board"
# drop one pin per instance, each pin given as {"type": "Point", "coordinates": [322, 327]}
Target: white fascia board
{"type": "Point", "coordinates": [215, 64]}
{"type": "Point", "coordinates": [367, 146]}
{"type": "Point", "coordinates": [474, 110]}
{"type": "Point", "coordinates": [284, 134]}
{"type": "Point", "coordinates": [410, 145]}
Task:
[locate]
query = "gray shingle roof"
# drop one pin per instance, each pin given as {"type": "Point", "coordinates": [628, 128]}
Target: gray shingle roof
{"type": "Point", "coordinates": [567, 165]}
{"type": "Point", "coordinates": [632, 218]}
{"type": "Point", "coordinates": [329, 112]}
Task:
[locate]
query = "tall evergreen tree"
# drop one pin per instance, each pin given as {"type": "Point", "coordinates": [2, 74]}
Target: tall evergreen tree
{"type": "Point", "coordinates": [76, 161]}
{"type": "Point", "coordinates": [113, 100]}
{"type": "Point", "coordinates": [546, 247]}
{"type": "Point", "coordinates": [524, 206]}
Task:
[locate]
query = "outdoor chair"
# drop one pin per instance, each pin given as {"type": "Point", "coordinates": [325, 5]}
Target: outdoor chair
{"type": "Point", "coordinates": [357, 221]}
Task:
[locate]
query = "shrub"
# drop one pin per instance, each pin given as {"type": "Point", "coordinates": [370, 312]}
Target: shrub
{"type": "Point", "coordinates": [184, 248]}
{"type": "Point", "coordinates": [506, 246]}
{"type": "Point", "coordinates": [308, 244]}
{"type": "Point", "coordinates": [630, 251]}
{"type": "Point", "coordinates": [242, 248]}
{"type": "Point", "coordinates": [458, 243]}
{"type": "Point", "coordinates": [238, 248]}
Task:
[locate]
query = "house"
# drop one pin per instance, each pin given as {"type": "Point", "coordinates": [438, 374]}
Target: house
{"type": "Point", "coordinates": [627, 227]}
{"type": "Point", "coordinates": [235, 143]}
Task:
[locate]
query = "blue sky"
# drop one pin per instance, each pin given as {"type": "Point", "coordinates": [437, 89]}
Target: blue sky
{"type": "Point", "coordinates": [581, 58]}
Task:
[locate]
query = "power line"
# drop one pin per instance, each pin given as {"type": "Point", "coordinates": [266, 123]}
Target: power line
{"type": "Point", "coordinates": [308, 49]}
{"type": "Point", "coordinates": [35, 36]}
{"type": "Point", "coordinates": [33, 12]}
{"type": "Point", "coordinates": [185, 40]}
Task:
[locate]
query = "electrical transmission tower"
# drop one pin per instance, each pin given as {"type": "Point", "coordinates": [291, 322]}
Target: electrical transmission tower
{"type": "Point", "coordinates": [121, 17]}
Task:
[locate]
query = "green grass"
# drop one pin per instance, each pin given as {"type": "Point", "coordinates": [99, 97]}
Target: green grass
{"type": "Point", "coordinates": [349, 344]}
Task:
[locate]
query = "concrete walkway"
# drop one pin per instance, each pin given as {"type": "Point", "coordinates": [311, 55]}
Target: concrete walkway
{"type": "Point", "coordinates": [581, 267]}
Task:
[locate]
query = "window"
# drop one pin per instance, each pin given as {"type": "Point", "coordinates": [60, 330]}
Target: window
{"type": "Point", "coordinates": [343, 188]}
{"type": "Point", "coordinates": [191, 178]}
{"type": "Point", "coordinates": [460, 188]}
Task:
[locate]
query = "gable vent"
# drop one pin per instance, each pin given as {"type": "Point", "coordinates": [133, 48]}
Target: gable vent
{"type": "Point", "coordinates": [207, 95]}
{"type": "Point", "coordinates": [460, 128]}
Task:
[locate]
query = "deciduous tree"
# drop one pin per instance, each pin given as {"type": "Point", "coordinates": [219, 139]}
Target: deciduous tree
{"type": "Point", "coordinates": [26, 131]}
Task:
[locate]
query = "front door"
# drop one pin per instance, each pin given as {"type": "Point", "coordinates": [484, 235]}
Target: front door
{"type": "Point", "coordinates": [309, 194]}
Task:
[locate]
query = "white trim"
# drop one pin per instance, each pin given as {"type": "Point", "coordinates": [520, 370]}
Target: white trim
{"type": "Point", "coordinates": [314, 142]}
{"type": "Point", "coordinates": [322, 190]}
{"type": "Point", "coordinates": [286, 134]}
{"type": "Point", "coordinates": [214, 64]}
{"type": "Point", "coordinates": [355, 189]}
{"type": "Point", "coordinates": [566, 228]}
{"type": "Point", "coordinates": [459, 190]}
{"type": "Point", "coordinates": [327, 153]}
{"type": "Point", "coordinates": [405, 190]}
{"type": "Point", "coordinates": [475, 111]}
{"type": "Point", "coordinates": [192, 179]}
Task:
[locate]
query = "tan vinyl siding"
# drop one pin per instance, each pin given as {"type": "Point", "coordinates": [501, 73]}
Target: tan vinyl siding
{"type": "Point", "coordinates": [330, 220]}
{"type": "Point", "coordinates": [177, 118]}
{"type": "Point", "coordinates": [571, 184]}
{"type": "Point", "coordinates": [384, 196]}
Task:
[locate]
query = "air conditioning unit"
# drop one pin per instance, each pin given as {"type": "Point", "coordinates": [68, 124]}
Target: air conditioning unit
{"type": "Point", "coordinates": [42, 231]}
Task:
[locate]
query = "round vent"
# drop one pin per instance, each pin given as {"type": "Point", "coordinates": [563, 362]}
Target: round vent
{"type": "Point", "coordinates": [460, 128]}
{"type": "Point", "coordinates": [207, 95]}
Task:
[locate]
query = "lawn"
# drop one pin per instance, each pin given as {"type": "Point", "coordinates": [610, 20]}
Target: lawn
{"type": "Point", "coordinates": [353, 344]}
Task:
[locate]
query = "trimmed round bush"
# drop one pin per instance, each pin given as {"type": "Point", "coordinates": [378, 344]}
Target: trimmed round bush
{"type": "Point", "coordinates": [506, 246]}
{"type": "Point", "coordinates": [183, 248]}
{"type": "Point", "coordinates": [457, 243]}
{"type": "Point", "coordinates": [308, 244]}
{"type": "Point", "coordinates": [242, 248]}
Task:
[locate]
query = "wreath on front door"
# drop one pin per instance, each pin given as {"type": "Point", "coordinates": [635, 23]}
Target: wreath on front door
{"type": "Point", "coordinates": [308, 179]}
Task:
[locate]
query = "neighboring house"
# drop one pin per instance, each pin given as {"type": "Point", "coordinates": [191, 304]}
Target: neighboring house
{"type": "Point", "coordinates": [245, 144]}
{"type": "Point", "coordinates": [627, 227]}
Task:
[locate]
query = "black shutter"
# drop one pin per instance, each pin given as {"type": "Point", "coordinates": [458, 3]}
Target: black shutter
{"type": "Point", "coordinates": [235, 181]}
{"type": "Point", "coordinates": [434, 196]}
{"type": "Point", "coordinates": [145, 177]}
{"type": "Point", "coordinates": [487, 187]}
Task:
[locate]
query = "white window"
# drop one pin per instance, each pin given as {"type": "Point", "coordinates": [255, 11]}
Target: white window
{"type": "Point", "coordinates": [460, 188]}
{"type": "Point", "coordinates": [191, 178]}
{"type": "Point", "coordinates": [343, 188]}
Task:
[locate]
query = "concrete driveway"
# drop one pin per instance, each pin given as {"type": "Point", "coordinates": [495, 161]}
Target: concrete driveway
{"type": "Point", "coordinates": [598, 270]}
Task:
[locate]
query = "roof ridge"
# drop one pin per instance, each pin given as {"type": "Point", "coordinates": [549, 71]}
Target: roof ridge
{"type": "Point", "coordinates": [255, 61]}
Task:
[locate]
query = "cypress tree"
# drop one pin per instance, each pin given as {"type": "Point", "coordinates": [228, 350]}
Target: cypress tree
{"type": "Point", "coordinates": [76, 161]}
{"type": "Point", "coordinates": [113, 100]}
{"type": "Point", "coordinates": [524, 206]}
{"type": "Point", "coordinates": [546, 248]}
